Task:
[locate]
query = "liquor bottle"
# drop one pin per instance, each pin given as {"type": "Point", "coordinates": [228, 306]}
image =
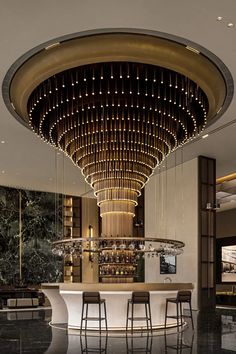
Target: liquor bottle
{"type": "Point", "coordinates": [117, 271]}
{"type": "Point", "coordinates": [111, 258]}
{"type": "Point", "coordinates": [117, 258]}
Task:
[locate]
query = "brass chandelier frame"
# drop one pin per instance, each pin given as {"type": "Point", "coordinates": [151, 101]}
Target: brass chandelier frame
{"type": "Point", "coordinates": [140, 246]}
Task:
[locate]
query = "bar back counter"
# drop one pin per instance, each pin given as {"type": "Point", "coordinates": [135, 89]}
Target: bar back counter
{"type": "Point", "coordinates": [66, 302]}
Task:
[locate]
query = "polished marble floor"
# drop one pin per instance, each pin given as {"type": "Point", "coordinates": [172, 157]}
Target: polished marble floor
{"type": "Point", "coordinates": [30, 332]}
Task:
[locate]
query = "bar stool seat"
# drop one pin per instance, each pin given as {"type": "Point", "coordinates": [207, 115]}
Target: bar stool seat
{"type": "Point", "coordinates": [183, 296]}
{"type": "Point", "coordinates": [139, 297]}
{"type": "Point", "coordinates": [90, 298]}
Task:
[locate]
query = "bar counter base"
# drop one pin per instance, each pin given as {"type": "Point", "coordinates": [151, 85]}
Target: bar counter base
{"type": "Point", "coordinates": [66, 302]}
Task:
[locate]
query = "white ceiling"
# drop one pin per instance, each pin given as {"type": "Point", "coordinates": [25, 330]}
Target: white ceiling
{"type": "Point", "coordinates": [27, 162]}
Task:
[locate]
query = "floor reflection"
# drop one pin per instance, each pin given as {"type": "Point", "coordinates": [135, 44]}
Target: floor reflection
{"type": "Point", "coordinates": [25, 332]}
{"type": "Point", "coordinates": [93, 344]}
{"type": "Point", "coordinates": [178, 343]}
{"type": "Point", "coordinates": [29, 332]}
{"type": "Point", "coordinates": [142, 345]}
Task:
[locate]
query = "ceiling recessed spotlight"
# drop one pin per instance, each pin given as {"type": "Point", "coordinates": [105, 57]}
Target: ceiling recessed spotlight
{"type": "Point", "coordinates": [3, 171]}
{"type": "Point", "coordinates": [73, 182]}
{"type": "Point", "coordinates": [205, 136]}
{"type": "Point", "coordinates": [50, 46]}
{"type": "Point", "coordinates": [192, 49]}
{"type": "Point", "coordinates": [230, 24]}
{"type": "Point", "coordinates": [2, 141]}
{"type": "Point", "coordinates": [219, 18]}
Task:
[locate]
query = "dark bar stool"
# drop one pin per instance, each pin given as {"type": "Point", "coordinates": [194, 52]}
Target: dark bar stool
{"type": "Point", "coordinates": [139, 297]}
{"type": "Point", "coordinates": [93, 298]}
{"type": "Point", "coordinates": [183, 296]}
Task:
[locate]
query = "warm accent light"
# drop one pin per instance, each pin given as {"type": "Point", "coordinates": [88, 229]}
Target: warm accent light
{"type": "Point", "coordinates": [205, 136]}
{"type": "Point", "coordinates": [229, 177]}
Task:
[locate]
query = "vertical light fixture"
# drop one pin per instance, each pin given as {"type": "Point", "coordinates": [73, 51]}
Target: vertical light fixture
{"type": "Point", "coordinates": [91, 243]}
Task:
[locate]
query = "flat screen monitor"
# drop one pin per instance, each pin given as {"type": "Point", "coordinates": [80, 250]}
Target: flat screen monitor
{"type": "Point", "coordinates": [228, 264]}
{"type": "Point", "coordinates": [167, 264]}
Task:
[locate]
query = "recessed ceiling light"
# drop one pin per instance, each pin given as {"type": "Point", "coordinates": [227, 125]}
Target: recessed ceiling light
{"type": "Point", "coordinates": [2, 141]}
{"type": "Point", "coordinates": [73, 182]}
{"type": "Point", "coordinates": [230, 24]}
{"type": "Point", "coordinates": [205, 136]}
{"type": "Point", "coordinates": [3, 171]}
{"type": "Point", "coordinates": [52, 45]}
{"type": "Point", "coordinates": [219, 18]}
{"type": "Point", "coordinates": [192, 49]}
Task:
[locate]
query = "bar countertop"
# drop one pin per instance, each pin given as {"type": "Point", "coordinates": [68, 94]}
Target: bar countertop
{"type": "Point", "coordinates": [118, 286]}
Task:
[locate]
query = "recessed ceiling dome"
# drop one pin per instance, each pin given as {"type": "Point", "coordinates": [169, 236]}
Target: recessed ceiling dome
{"type": "Point", "coordinates": [117, 104]}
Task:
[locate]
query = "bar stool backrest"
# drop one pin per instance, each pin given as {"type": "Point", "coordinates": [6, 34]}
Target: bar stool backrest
{"type": "Point", "coordinates": [184, 296]}
{"type": "Point", "coordinates": [140, 297]}
{"type": "Point", "coordinates": [91, 297]}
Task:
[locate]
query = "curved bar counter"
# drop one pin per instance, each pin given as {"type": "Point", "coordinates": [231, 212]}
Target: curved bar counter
{"type": "Point", "coordinates": [66, 301]}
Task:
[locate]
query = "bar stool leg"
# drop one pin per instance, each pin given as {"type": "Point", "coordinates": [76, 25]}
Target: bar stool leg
{"type": "Point", "coordinates": [150, 316]}
{"type": "Point", "coordinates": [146, 316]}
{"type": "Point", "coordinates": [181, 314]}
{"type": "Point", "coordinates": [177, 310]}
{"type": "Point", "coordinates": [86, 321]}
{"type": "Point", "coordinates": [82, 315]}
{"type": "Point", "coordinates": [127, 316]}
{"type": "Point", "coordinates": [166, 312]}
{"type": "Point", "coordinates": [105, 314]}
{"type": "Point", "coordinates": [132, 318]}
{"type": "Point", "coordinates": [100, 318]}
{"type": "Point", "coordinates": [191, 313]}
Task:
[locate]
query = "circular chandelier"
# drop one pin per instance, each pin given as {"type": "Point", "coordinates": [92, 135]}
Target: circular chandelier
{"type": "Point", "coordinates": [117, 104]}
{"type": "Point", "coordinates": [97, 246]}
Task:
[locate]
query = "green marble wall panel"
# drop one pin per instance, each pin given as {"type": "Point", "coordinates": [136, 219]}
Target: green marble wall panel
{"type": "Point", "coordinates": [41, 225]}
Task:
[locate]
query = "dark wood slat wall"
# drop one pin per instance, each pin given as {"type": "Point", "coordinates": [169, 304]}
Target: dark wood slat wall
{"type": "Point", "coordinates": [207, 232]}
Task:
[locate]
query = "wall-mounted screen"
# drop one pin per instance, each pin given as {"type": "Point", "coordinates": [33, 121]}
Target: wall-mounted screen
{"type": "Point", "coordinates": [167, 264]}
{"type": "Point", "coordinates": [228, 264]}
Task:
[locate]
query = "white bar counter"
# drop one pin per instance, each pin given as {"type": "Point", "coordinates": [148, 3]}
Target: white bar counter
{"type": "Point", "coordinates": [66, 302]}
